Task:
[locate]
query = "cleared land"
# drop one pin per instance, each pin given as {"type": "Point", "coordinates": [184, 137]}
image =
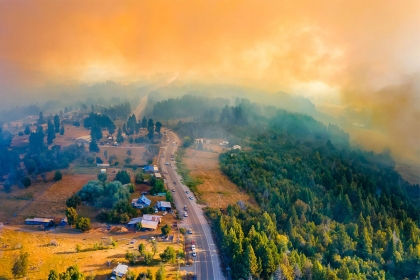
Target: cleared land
{"type": "Point", "coordinates": [138, 153]}
{"type": "Point", "coordinates": [44, 257]}
{"type": "Point", "coordinates": [217, 190]}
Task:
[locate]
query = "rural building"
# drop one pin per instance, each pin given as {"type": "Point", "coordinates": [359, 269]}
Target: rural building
{"type": "Point", "coordinates": [199, 140]}
{"type": "Point", "coordinates": [63, 222]}
{"type": "Point", "coordinates": [224, 143]}
{"type": "Point", "coordinates": [158, 176]}
{"type": "Point", "coordinates": [102, 164]}
{"type": "Point", "coordinates": [120, 271]}
{"type": "Point", "coordinates": [156, 218]}
{"type": "Point", "coordinates": [208, 142]}
{"type": "Point", "coordinates": [103, 171]}
{"type": "Point", "coordinates": [134, 221]}
{"type": "Point", "coordinates": [151, 169]}
{"type": "Point", "coordinates": [141, 202]}
{"type": "Point", "coordinates": [83, 139]}
{"type": "Point", "coordinates": [152, 225]}
{"type": "Point", "coordinates": [236, 147]}
{"type": "Point", "coordinates": [163, 205]}
{"type": "Point", "coordinates": [39, 221]}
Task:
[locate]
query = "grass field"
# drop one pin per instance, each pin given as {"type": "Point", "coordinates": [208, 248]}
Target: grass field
{"type": "Point", "coordinates": [44, 257]}
{"type": "Point", "coordinates": [216, 189]}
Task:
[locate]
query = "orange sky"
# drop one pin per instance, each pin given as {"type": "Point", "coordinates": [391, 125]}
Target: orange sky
{"type": "Point", "coordinates": [359, 53]}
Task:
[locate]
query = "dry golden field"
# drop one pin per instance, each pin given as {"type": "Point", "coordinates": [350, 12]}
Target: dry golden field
{"type": "Point", "coordinates": [44, 257]}
{"type": "Point", "coordinates": [217, 190]}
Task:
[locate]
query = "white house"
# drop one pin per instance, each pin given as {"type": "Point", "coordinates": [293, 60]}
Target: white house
{"type": "Point", "coordinates": [120, 271]}
{"type": "Point", "coordinates": [103, 171]}
{"type": "Point", "coordinates": [208, 142]}
{"type": "Point", "coordinates": [224, 143]}
{"type": "Point", "coordinates": [236, 147]}
{"type": "Point", "coordinates": [141, 202]}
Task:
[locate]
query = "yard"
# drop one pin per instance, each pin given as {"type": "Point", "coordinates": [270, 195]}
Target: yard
{"type": "Point", "coordinates": [44, 256]}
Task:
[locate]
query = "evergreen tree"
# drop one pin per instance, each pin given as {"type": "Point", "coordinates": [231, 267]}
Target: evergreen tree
{"type": "Point", "coordinates": [250, 260]}
{"type": "Point", "coordinates": [144, 122]}
{"type": "Point", "coordinates": [120, 138]}
{"type": "Point", "coordinates": [57, 123]}
{"type": "Point", "coordinates": [158, 127]}
{"type": "Point", "coordinates": [62, 130]}
{"type": "Point", "coordinates": [50, 132]}
{"type": "Point", "coordinates": [41, 119]}
{"type": "Point", "coordinates": [365, 244]}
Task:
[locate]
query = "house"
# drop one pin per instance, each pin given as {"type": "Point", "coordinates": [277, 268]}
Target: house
{"type": "Point", "coordinates": [39, 221]}
{"type": "Point", "coordinates": [147, 221]}
{"type": "Point", "coordinates": [163, 205]}
{"type": "Point", "coordinates": [199, 140]}
{"type": "Point", "coordinates": [151, 169]}
{"type": "Point", "coordinates": [120, 271]}
{"type": "Point", "coordinates": [134, 221]}
{"type": "Point", "coordinates": [102, 164]}
{"type": "Point", "coordinates": [208, 142]}
{"type": "Point", "coordinates": [158, 176]}
{"type": "Point", "coordinates": [103, 171]}
{"type": "Point", "coordinates": [156, 218]}
{"type": "Point", "coordinates": [152, 225]}
{"type": "Point", "coordinates": [236, 147]}
{"type": "Point", "coordinates": [63, 222]}
{"type": "Point", "coordinates": [141, 202]}
{"type": "Point", "coordinates": [224, 143]}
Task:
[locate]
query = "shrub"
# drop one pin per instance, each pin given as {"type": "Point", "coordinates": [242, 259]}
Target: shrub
{"type": "Point", "coordinates": [58, 176]}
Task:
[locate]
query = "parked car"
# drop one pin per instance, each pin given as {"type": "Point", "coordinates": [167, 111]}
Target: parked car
{"type": "Point", "coordinates": [189, 231]}
{"type": "Point", "coordinates": [194, 254]}
{"type": "Point", "coordinates": [187, 192]}
{"type": "Point", "coordinates": [164, 213]}
{"type": "Point", "coordinates": [185, 214]}
{"type": "Point", "coordinates": [191, 198]}
{"type": "Point", "coordinates": [173, 190]}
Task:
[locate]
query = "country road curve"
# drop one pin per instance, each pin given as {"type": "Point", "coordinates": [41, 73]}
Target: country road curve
{"type": "Point", "coordinates": [207, 264]}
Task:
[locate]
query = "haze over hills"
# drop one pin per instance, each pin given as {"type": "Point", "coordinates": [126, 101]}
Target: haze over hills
{"type": "Point", "coordinates": [309, 109]}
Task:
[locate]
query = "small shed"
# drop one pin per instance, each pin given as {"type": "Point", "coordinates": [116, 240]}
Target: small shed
{"type": "Point", "coordinates": [158, 176]}
{"type": "Point", "coordinates": [39, 221]}
{"type": "Point", "coordinates": [63, 222]}
{"type": "Point", "coordinates": [103, 171]}
{"type": "Point", "coordinates": [120, 271]}
{"type": "Point", "coordinates": [163, 205]}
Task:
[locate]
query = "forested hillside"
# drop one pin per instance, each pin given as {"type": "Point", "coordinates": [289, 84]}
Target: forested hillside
{"type": "Point", "coordinates": [328, 211]}
{"type": "Point", "coordinates": [346, 213]}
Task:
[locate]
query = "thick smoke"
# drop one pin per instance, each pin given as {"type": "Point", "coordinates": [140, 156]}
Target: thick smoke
{"type": "Point", "coordinates": [357, 53]}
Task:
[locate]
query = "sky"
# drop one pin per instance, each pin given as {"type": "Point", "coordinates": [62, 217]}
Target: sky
{"type": "Point", "coordinates": [363, 54]}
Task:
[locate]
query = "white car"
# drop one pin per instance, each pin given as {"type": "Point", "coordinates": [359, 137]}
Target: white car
{"type": "Point", "coordinates": [164, 213]}
{"type": "Point", "coordinates": [185, 214]}
{"type": "Point", "coordinates": [193, 247]}
{"type": "Point", "coordinates": [194, 254]}
{"type": "Point", "coordinates": [191, 198]}
{"type": "Point", "coordinates": [189, 231]}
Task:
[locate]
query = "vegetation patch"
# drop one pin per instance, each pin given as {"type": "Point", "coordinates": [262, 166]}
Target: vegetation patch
{"type": "Point", "coordinates": [188, 180]}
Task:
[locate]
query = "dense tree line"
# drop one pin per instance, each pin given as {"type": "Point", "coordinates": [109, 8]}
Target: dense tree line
{"type": "Point", "coordinates": [118, 111]}
{"type": "Point", "coordinates": [97, 122]}
{"type": "Point", "coordinates": [347, 213]}
{"type": "Point", "coordinates": [188, 106]}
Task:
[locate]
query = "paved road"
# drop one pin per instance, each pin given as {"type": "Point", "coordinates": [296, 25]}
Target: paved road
{"type": "Point", "coordinates": [207, 260]}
